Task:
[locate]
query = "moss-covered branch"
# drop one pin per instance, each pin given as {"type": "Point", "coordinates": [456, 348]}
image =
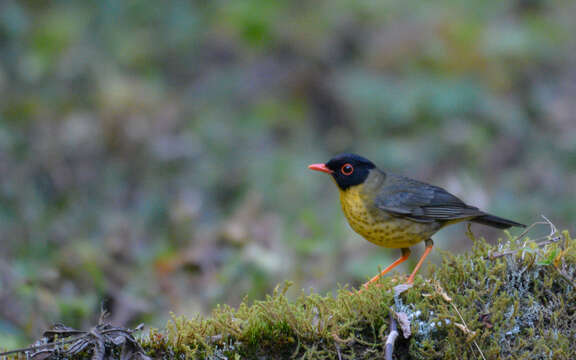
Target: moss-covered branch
{"type": "Point", "coordinates": [478, 305]}
{"type": "Point", "coordinates": [522, 305]}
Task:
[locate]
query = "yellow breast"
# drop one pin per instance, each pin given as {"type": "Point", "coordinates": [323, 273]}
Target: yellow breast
{"type": "Point", "coordinates": [379, 227]}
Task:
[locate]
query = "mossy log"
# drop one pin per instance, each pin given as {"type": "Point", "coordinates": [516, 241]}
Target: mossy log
{"type": "Point", "coordinates": [516, 300]}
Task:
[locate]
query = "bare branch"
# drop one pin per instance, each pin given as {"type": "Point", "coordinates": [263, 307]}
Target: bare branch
{"type": "Point", "coordinates": [552, 237]}
{"type": "Point", "coordinates": [391, 338]}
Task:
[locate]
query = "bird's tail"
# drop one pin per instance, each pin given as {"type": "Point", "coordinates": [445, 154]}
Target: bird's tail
{"type": "Point", "coordinates": [496, 221]}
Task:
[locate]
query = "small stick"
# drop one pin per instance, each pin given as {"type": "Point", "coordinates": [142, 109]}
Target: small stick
{"type": "Point", "coordinates": [468, 330]}
{"type": "Point", "coordinates": [40, 347]}
{"type": "Point", "coordinates": [391, 338]}
{"type": "Point", "coordinates": [464, 327]}
{"type": "Point", "coordinates": [549, 239]}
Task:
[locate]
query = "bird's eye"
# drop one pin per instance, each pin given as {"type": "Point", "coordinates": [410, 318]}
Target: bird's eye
{"type": "Point", "coordinates": [347, 169]}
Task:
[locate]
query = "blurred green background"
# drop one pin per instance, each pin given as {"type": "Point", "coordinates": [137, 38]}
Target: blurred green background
{"type": "Point", "coordinates": [153, 153]}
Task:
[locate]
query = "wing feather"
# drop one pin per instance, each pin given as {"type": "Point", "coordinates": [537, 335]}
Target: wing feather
{"type": "Point", "coordinates": [422, 202]}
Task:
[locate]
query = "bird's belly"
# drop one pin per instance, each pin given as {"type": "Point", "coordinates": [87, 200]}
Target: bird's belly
{"type": "Point", "coordinates": [393, 233]}
{"type": "Point", "coordinates": [384, 230]}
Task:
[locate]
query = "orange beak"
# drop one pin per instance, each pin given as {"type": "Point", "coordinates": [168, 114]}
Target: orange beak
{"type": "Point", "coordinates": [320, 167]}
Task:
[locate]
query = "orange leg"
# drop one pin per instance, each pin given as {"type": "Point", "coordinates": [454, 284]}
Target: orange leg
{"type": "Point", "coordinates": [429, 245]}
{"type": "Point", "coordinates": [405, 254]}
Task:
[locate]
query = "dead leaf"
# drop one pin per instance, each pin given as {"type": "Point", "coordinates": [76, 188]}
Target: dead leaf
{"type": "Point", "coordinates": [404, 323]}
{"type": "Point", "coordinates": [442, 293]}
{"type": "Point", "coordinates": [462, 327]}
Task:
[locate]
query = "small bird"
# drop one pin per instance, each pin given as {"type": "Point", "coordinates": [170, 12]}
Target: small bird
{"type": "Point", "coordinates": [395, 211]}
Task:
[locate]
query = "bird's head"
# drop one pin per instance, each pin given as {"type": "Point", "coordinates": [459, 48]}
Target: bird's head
{"type": "Point", "coordinates": [346, 169]}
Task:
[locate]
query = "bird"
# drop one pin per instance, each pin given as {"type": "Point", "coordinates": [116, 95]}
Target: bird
{"type": "Point", "coordinates": [395, 211]}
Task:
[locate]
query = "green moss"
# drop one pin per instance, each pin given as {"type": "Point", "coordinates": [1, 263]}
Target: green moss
{"type": "Point", "coordinates": [313, 325]}
{"type": "Point", "coordinates": [518, 305]}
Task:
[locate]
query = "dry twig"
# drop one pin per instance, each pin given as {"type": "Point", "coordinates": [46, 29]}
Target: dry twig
{"type": "Point", "coordinates": [552, 237]}
{"type": "Point", "coordinates": [463, 326]}
{"type": "Point", "coordinates": [391, 338]}
{"type": "Point", "coordinates": [96, 339]}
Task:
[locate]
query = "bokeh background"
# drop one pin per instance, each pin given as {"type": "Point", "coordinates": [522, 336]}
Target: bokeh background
{"type": "Point", "coordinates": [153, 153]}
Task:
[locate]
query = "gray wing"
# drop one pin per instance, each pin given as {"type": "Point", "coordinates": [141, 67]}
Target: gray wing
{"type": "Point", "coordinates": [422, 202]}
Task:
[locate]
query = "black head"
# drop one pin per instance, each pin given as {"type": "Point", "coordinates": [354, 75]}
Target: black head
{"type": "Point", "coordinates": [346, 169]}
